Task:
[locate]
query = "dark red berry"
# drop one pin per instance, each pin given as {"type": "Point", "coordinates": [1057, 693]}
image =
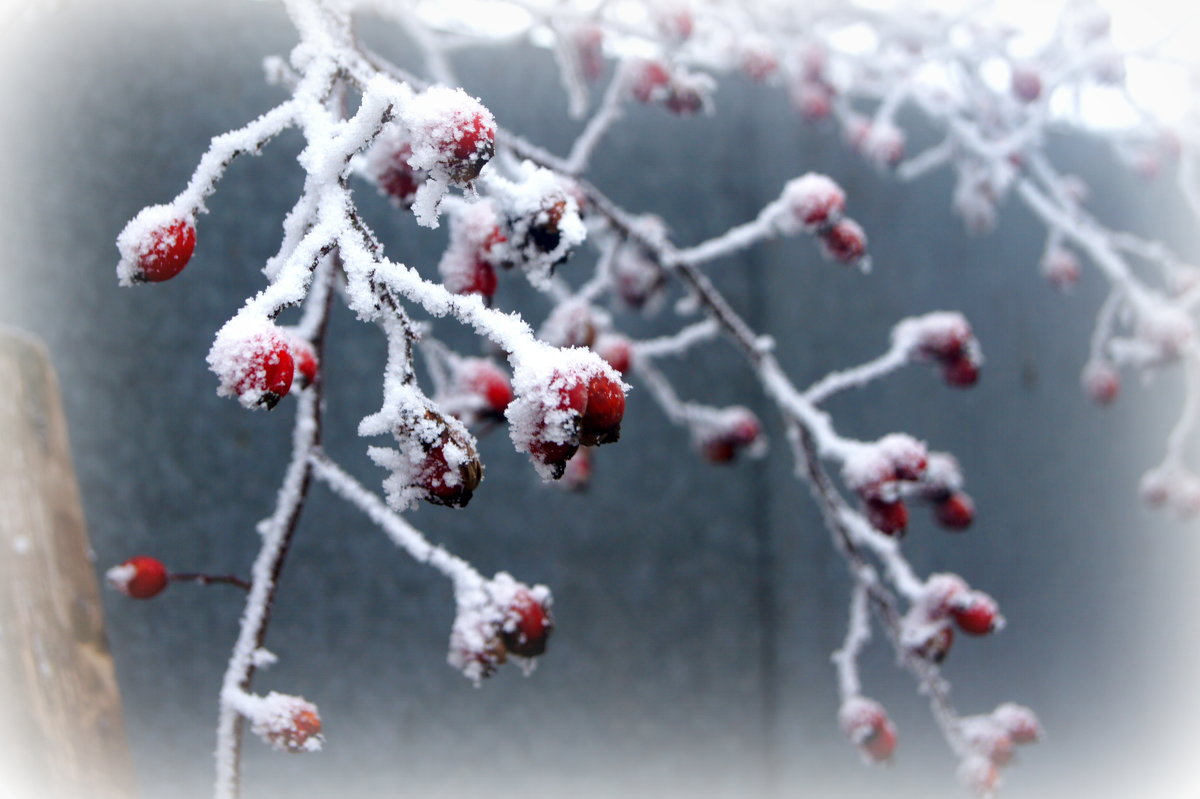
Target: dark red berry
{"type": "Point", "coordinates": [889, 517]}
{"type": "Point", "coordinates": [961, 372]}
{"type": "Point", "coordinates": [955, 511]}
{"type": "Point", "coordinates": [977, 614]}
{"type": "Point", "coordinates": [844, 242]}
{"type": "Point", "coordinates": [528, 625]}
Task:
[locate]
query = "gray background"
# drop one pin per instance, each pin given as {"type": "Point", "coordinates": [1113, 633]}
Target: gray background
{"type": "Point", "coordinates": [697, 605]}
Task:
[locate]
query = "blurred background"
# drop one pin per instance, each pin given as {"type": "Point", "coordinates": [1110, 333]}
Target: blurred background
{"type": "Point", "coordinates": [697, 605]}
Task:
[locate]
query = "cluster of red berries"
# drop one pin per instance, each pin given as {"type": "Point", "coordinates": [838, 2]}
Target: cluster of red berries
{"type": "Point", "coordinates": [680, 92]}
{"type": "Point", "coordinates": [945, 600]}
{"type": "Point", "coordinates": [512, 619]}
{"type": "Point", "coordinates": [866, 724]}
{"type": "Point", "coordinates": [817, 205]}
{"type": "Point", "coordinates": [952, 346]}
{"type": "Point", "coordinates": [992, 740]}
{"type": "Point", "coordinates": [586, 409]}
{"type": "Point", "coordinates": [876, 474]}
{"type": "Point", "coordinates": [812, 93]}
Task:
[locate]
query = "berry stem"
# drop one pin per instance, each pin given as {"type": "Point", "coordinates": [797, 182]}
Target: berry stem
{"type": "Point", "coordinates": [209, 579]}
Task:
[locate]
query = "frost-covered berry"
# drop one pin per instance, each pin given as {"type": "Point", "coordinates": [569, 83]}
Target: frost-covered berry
{"type": "Point", "coordinates": [1061, 268]}
{"type": "Point", "coordinates": [287, 723]}
{"type": "Point", "coordinates": [602, 414]}
{"type": "Point", "coordinates": [976, 613]}
{"type": "Point", "coordinates": [889, 517]}
{"type": "Point", "coordinates": [477, 245]}
{"type": "Point", "coordinates": [304, 359]}
{"type": "Point", "coordinates": [638, 279]}
{"type": "Point", "coordinates": [961, 372]}
{"type": "Point", "coordinates": [1026, 84]}
{"type": "Point", "coordinates": [556, 437]}
{"type": "Point", "coordinates": [616, 349]}
{"type": "Point", "coordinates": [253, 361]}
{"type": "Point", "coordinates": [387, 165]}
{"type": "Point", "coordinates": [758, 59]}
{"type": "Point", "coordinates": [866, 724]}
{"type": "Point", "coordinates": [140, 577]}
{"type": "Point", "coordinates": [813, 99]}
{"type": "Point", "coordinates": [979, 775]}
{"type": "Point", "coordinates": [815, 201]}
{"type": "Point", "coordinates": [955, 511]}
{"type": "Point", "coordinates": [732, 431]}
{"type": "Point", "coordinates": [588, 42]}
{"type": "Point", "coordinates": [155, 245]}
{"type": "Point", "coordinates": [1100, 382]}
{"type": "Point", "coordinates": [844, 242]}
{"type": "Point", "coordinates": [488, 383]}
{"type": "Point", "coordinates": [527, 623]}
{"type": "Point", "coordinates": [452, 134]}
{"type": "Point", "coordinates": [650, 80]}
{"type": "Point", "coordinates": [451, 470]}
{"type": "Point", "coordinates": [1019, 722]}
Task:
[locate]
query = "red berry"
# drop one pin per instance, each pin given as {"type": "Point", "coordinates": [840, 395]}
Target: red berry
{"type": "Point", "coordinates": [527, 625]}
{"type": "Point", "coordinates": [844, 242]}
{"type": "Point", "coordinates": [166, 251]}
{"type": "Point", "coordinates": [888, 517]}
{"type": "Point", "coordinates": [270, 375]}
{"type": "Point", "coordinates": [976, 613]}
{"type": "Point", "coordinates": [740, 430]}
{"type": "Point", "coordinates": [617, 350]}
{"type": "Point", "coordinates": [1102, 383]}
{"type": "Point", "coordinates": [601, 421]}
{"type": "Point", "coordinates": [488, 381]}
{"type": "Point", "coordinates": [305, 724]}
{"type": "Point", "coordinates": [450, 478]}
{"type": "Point", "coordinates": [961, 372]}
{"type": "Point", "coordinates": [304, 358]}
{"type": "Point", "coordinates": [555, 450]}
{"type": "Point", "coordinates": [398, 180]}
{"type": "Point", "coordinates": [868, 727]}
{"type": "Point", "coordinates": [649, 78]}
{"type": "Point", "coordinates": [140, 577]}
{"type": "Point", "coordinates": [815, 200]}
{"type": "Point", "coordinates": [480, 280]}
{"type": "Point", "coordinates": [955, 512]}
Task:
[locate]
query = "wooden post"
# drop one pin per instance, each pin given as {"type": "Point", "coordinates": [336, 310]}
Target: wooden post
{"type": "Point", "coordinates": [61, 730]}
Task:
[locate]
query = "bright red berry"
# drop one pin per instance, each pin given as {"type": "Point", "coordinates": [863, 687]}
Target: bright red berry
{"type": "Point", "coordinates": [451, 132]}
{"type": "Point", "coordinates": [955, 511]}
{"type": "Point", "coordinates": [889, 517]}
{"type": "Point", "coordinates": [155, 245]}
{"type": "Point", "coordinates": [844, 242]}
{"type": "Point", "coordinates": [269, 376]}
{"type": "Point", "coordinates": [527, 625]}
{"type": "Point", "coordinates": [976, 613]}
{"type": "Point", "coordinates": [140, 577]}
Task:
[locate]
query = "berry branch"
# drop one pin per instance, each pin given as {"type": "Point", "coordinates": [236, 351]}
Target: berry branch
{"type": "Point", "coordinates": [514, 208]}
